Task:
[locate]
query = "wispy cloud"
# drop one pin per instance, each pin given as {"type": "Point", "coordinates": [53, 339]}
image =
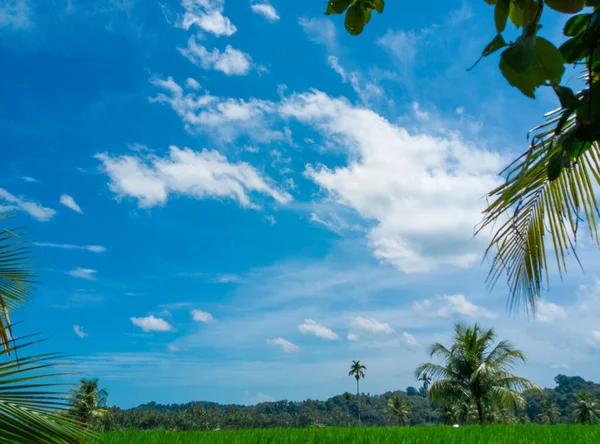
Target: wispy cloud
{"type": "Point", "coordinates": [208, 16]}
{"type": "Point", "coordinates": [202, 316]}
{"type": "Point", "coordinates": [29, 179]}
{"type": "Point", "coordinates": [266, 10]}
{"type": "Point", "coordinates": [447, 306]}
{"type": "Point", "coordinates": [312, 327]}
{"type": "Point", "coordinates": [150, 323]}
{"type": "Point", "coordinates": [34, 209]}
{"type": "Point", "coordinates": [69, 202]}
{"type": "Point", "coordinates": [285, 345]}
{"type": "Point", "coordinates": [15, 14]}
{"type": "Point", "coordinates": [79, 331]}
{"type": "Point", "coordinates": [320, 30]}
{"type": "Point", "coordinates": [83, 273]}
{"type": "Point", "coordinates": [92, 248]}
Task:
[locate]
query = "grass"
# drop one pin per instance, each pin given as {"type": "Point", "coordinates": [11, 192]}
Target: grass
{"type": "Point", "coordinates": [553, 434]}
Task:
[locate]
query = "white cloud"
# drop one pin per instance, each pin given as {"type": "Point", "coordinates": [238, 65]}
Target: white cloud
{"type": "Point", "coordinates": [205, 174]}
{"type": "Point", "coordinates": [172, 348]}
{"type": "Point", "coordinates": [15, 14]}
{"type": "Point", "coordinates": [83, 273]}
{"type": "Point", "coordinates": [29, 179]}
{"type": "Point", "coordinates": [271, 219]}
{"type": "Point", "coordinates": [422, 192]}
{"type": "Point", "coordinates": [320, 30]}
{"type": "Point", "coordinates": [202, 316]}
{"type": "Point", "coordinates": [402, 45]}
{"type": "Point", "coordinates": [192, 83]}
{"type": "Point", "coordinates": [365, 90]}
{"type": "Point", "coordinates": [409, 339]}
{"type": "Point", "coordinates": [549, 313]}
{"type": "Point", "coordinates": [446, 306]}
{"type": "Point", "coordinates": [92, 248]}
{"type": "Point", "coordinates": [313, 328]}
{"type": "Point", "coordinates": [79, 331]}
{"type": "Point", "coordinates": [150, 323]}
{"type": "Point", "coordinates": [596, 338]}
{"type": "Point", "coordinates": [69, 202]}
{"type": "Point", "coordinates": [226, 119]}
{"type": "Point", "coordinates": [370, 325]}
{"type": "Point", "coordinates": [208, 16]}
{"type": "Point", "coordinates": [286, 346]}
{"type": "Point", "coordinates": [231, 61]}
{"type": "Point", "coordinates": [34, 209]}
{"type": "Point", "coordinates": [266, 10]}
{"type": "Point", "coordinates": [353, 337]}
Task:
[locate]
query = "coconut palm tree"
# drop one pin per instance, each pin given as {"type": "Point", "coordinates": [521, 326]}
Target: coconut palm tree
{"type": "Point", "coordinates": [399, 409]}
{"type": "Point", "coordinates": [88, 402]}
{"type": "Point", "coordinates": [586, 410]}
{"type": "Point", "coordinates": [348, 398]}
{"type": "Point", "coordinates": [426, 383]}
{"type": "Point", "coordinates": [475, 371]}
{"type": "Point", "coordinates": [29, 406]}
{"type": "Point", "coordinates": [357, 370]}
{"type": "Point", "coordinates": [549, 413]}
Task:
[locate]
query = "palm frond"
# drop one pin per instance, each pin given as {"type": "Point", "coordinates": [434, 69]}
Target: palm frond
{"type": "Point", "coordinates": [31, 405]}
{"type": "Point", "coordinates": [16, 276]}
{"type": "Point", "coordinates": [547, 191]}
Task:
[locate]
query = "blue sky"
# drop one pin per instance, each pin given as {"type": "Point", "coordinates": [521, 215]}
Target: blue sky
{"type": "Point", "coordinates": [231, 200]}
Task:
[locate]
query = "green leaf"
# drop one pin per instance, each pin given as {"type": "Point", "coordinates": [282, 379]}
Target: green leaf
{"type": "Point", "coordinates": [521, 55]}
{"type": "Point", "coordinates": [379, 5]}
{"type": "Point", "coordinates": [497, 43]}
{"type": "Point", "coordinates": [577, 24]}
{"type": "Point", "coordinates": [501, 14]}
{"type": "Point", "coordinates": [572, 50]}
{"type": "Point", "coordinates": [490, 2]}
{"type": "Point", "coordinates": [355, 19]}
{"type": "Point", "coordinates": [337, 6]}
{"type": "Point", "coordinates": [550, 59]}
{"type": "Point", "coordinates": [520, 80]}
{"type": "Point", "coordinates": [555, 166]}
{"type": "Point", "coordinates": [566, 96]}
{"type": "Point", "coordinates": [516, 15]}
{"type": "Point", "coordinates": [566, 6]}
{"type": "Point", "coordinates": [367, 16]}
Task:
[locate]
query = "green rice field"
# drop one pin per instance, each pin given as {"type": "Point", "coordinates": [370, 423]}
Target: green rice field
{"type": "Point", "coordinates": [558, 434]}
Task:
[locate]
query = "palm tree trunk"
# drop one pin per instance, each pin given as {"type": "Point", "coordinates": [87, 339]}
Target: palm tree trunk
{"type": "Point", "coordinates": [480, 411]}
{"type": "Point", "coordinates": [348, 410]}
{"type": "Point", "coordinates": [358, 399]}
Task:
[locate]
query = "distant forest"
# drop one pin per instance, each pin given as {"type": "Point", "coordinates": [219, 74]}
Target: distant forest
{"type": "Point", "coordinates": [550, 406]}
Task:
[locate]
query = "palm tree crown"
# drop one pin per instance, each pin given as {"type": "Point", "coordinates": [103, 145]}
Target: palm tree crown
{"type": "Point", "coordinates": [474, 373]}
{"type": "Point", "coordinates": [399, 409]}
{"type": "Point", "coordinates": [89, 401]}
{"type": "Point", "coordinates": [586, 410]}
{"type": "Point", "coordinates": [357, 370]}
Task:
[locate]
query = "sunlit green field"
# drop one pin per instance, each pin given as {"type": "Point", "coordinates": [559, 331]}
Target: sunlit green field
{"type": "Point", "coordinates": [477, 435]}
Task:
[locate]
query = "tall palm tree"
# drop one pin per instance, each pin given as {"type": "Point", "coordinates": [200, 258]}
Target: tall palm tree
{"type": "Point", "coordinates": [348, 398]}
{"type": "Point", "coordinates": [29, 406]}
{"type": "Point", "coordinates": [586, 409]}
{"type": "Point", "coordinates": [399, 409]}
{"type": "Point", "coordinates": [357, 370]}
{"type": "Point", "coordinates": [474, 374]}
{"type": "Point", "coordinates": [426, 383]}
{"type": "Point", "coordinates": [88, 402]}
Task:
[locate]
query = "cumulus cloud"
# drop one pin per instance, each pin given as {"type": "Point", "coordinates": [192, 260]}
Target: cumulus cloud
{"type": "Point", "coordinates": [286, 346]}
{"type": "Point", "coordinates": [79, 331]}
{"type": "Point", "coordinates": [549, 313]}
{"type": "Point", "coordinates": [231, 61]}
{"type": "Point", "coordinates": [447, 306]}
{"type": "Point", "coordinates": [202, 316]}
{"type": "Point", "coordinates": [204, 174]}
{"type": "Point", "coordinates": [409, 339]}
{"type": "Point", "coordinates": [83, 273]}
{"type": "Point", "coordinates": [224, 118]}
{"type": "Point", "coordinates": [150, 323]}
{"type": "Point", "coordinates": [422, 192]}
{"type": "Point", "coordinates": [266, 10]}
{"type": "Point", "coordinates": [69, 202]}
{"type": "Point", "coordinates": [314, 328]}
{"type": "Point", "coordinates": [92, 248]}
{"type": "Point", "coordinates": [34, 209]}
{"type": "Point", "coordinates": [208, 16]}
{"type": "Point", "coordinates": [370, 325]}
